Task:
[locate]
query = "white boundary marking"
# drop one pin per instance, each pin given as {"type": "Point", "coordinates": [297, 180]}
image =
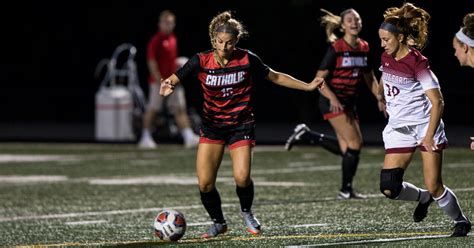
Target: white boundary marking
{"type": "Point", "coordinates": [85, 222]}
{"type": "Point", "coordinates": [368, 241]}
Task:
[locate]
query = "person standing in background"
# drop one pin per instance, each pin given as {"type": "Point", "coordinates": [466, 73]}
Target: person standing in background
{"type": "Point", "coordinates": [162, 54]}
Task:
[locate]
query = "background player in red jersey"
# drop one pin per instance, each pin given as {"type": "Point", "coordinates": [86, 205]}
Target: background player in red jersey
{"type": "Point", "coordinates": [227, 75]}
{"type": "Point", "coordinates": [415, 106]}
{"type": "Point", "coordinates": [162, 53]}
{"type": "Point", "coordinates": [345, 65]}
{"type": "Point", "coordinates": [463, 43]}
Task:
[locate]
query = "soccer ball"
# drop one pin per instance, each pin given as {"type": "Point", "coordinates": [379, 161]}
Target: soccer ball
{"type": "Point", "coordinates": [169, 225]}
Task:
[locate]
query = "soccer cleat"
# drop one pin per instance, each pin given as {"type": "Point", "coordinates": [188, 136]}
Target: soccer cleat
{"type": "Point", "coordinates": [422, 210]}
{"type": "Point", "coordinates": [461, 229]}
{"type": "Point", "coordinates": [214, 230]}
{"type": "Point", "coordinates": [300, 129]}
{"type": "Point", "coordinates": [253, 225]}
{"type": "Point", "coordinates": [346, 195]}
{"type": "Point", "coordinates": [146, 143]}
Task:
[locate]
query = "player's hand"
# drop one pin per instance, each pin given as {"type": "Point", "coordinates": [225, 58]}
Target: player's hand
{"type": "Point", "coordinates": [317, 83]}
{"type": "Point", "coordinates": [166, 88]}
{"type": "Point", "coordinates": [335, 105]}
{"type": "Point", "coordinates": [472, 143]}
{"type": "Point", "coordinates": [429, 144]}
{"type": "Point", "coordinates": [382, 108]}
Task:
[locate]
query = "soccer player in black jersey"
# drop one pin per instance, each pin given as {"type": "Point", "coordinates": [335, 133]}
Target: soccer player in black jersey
{"type": "Point", "coordinates": [227, 75]}
{"type": "Point", "coordinates": [345, 65]}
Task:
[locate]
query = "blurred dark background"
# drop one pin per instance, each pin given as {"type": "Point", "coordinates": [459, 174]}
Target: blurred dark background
{"type": "Point", "coordinates": [52, 49]}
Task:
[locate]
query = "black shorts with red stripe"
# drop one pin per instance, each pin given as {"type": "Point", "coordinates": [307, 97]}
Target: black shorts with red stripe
{"type": "Point", "coordinates": [233, 136]}
{"type": "Point", "coordinates": [350, 108]}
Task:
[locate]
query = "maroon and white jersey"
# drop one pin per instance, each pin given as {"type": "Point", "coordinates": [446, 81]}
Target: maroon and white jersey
{"type": "Point", "coordinates": [405, 82]}
{"type": "Point", "coordinates": [227, 90]}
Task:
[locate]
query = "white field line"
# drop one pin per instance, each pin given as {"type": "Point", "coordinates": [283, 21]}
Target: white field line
{"type": "Point", "coordinates": [309, 225]}
{"type": "Point", "coordinates": [33, 179]}
{"type": "Point", "coordinates": [12, 158]}
{"type": "Point", "coordinates": [85, 222]}
{"type": "Point", "coordinates": [302, 164]}
{"type": "Point", "coordinates": [147, 180]}
{"type": "Point", "coordinates": [296, 226]}
{"type": "Point", "coordinates": [368, 241]}
{"type": "Point", "coordinates": [284, 184]}
{"type": "Point", "coordinates": [200, 223]}
{"type": "Point", "coordinates": [141, 210]}
{"type": "Point", "coordinates": [101, 213]}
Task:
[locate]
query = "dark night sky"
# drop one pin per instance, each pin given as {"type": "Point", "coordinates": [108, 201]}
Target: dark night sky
{"type": "Point", "coordinates": [52, 49]}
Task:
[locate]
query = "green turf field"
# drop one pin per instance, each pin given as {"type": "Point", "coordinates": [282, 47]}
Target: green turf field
{"type": "Point", "coordinates": [107, 195]}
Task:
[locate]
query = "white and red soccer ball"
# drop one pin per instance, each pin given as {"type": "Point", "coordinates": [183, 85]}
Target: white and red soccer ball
{"type": "Point", "coordinates": [169, 225]}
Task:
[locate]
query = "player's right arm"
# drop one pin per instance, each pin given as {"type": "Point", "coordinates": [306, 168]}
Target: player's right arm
{"type": "Point", "coordinates": [190, 68]}
{"type": "Point", "coordinates": [167, 85]}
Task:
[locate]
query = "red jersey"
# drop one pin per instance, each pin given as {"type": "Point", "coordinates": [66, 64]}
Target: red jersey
{"type": "Point", "coordinates": [347, 65]}
{"type": "Point", "coordinates": [164, 49]}
{"type": "Point", "coordinates": [227, 90]}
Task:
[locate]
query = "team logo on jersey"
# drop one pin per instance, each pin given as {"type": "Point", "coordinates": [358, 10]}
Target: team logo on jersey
{"type": "Point", "coordinates": [387, 77]}
{"type": "Point", "coordinates": [354, 61]}
{"type": "Point", "coordinates": [226, 79]}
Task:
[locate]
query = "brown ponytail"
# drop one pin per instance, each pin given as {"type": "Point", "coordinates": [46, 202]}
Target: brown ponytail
{"type": "Point", "coordinates": [412, 22]}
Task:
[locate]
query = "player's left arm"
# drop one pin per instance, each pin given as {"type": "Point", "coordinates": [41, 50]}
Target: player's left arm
{"type": "Point", "coordinates": [437, 107]}
{"type": "Point", "coordinates": [288, 81]}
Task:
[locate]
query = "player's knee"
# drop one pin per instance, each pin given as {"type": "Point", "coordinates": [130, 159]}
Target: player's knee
{"type": "Point", "coordinates": [355, 144]}
{"type": "Point", "coordinates": [242, 180]}
{"type": "Point", "coordinates": [206, 186]}
{"type": "Point", "coordinates": [391, 182]}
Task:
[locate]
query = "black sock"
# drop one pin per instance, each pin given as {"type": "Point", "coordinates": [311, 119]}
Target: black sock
{"type": "Point", "coordinates": [245, 196]}
{"type": "Point", "coordinates": [350, 160]}
{"type": "Point", "coordinates": [212, 203]}
{"type": "Point", "coordinates": [328, 142]}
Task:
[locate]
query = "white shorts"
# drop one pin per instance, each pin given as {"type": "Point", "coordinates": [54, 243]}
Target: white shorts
{"type": "Point", "coordinates": [174, 102]}
{"type": "Point", "coordinates": [407, 139]}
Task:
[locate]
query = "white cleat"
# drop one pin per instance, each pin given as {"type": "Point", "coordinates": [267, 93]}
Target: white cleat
{"type": "Point", "coordinates": [146, 143]}
{"type": "Point", "coordinates": [300, 129]}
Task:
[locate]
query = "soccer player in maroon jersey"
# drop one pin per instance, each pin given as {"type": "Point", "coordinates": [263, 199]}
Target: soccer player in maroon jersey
{"type": "Point", "coordinates": [415, 106]}
{"type": "Point", "coordinates": [162, 54]}
{"type": "Point", "coordinates": [463, 43]}
{"type": "Point", "coordinates": [345, 65]}
{"type": "Point", "coordinates": [227, 75]}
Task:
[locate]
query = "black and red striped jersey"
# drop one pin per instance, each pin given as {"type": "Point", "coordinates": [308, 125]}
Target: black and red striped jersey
{"type": "Point", "coordinates": [227, 90]}
{"type": "Point", "coordinates": [346, 65]}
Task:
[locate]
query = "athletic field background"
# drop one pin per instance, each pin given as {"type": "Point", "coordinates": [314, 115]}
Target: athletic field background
{"type": "Point", "coordinates": [99, 195]}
